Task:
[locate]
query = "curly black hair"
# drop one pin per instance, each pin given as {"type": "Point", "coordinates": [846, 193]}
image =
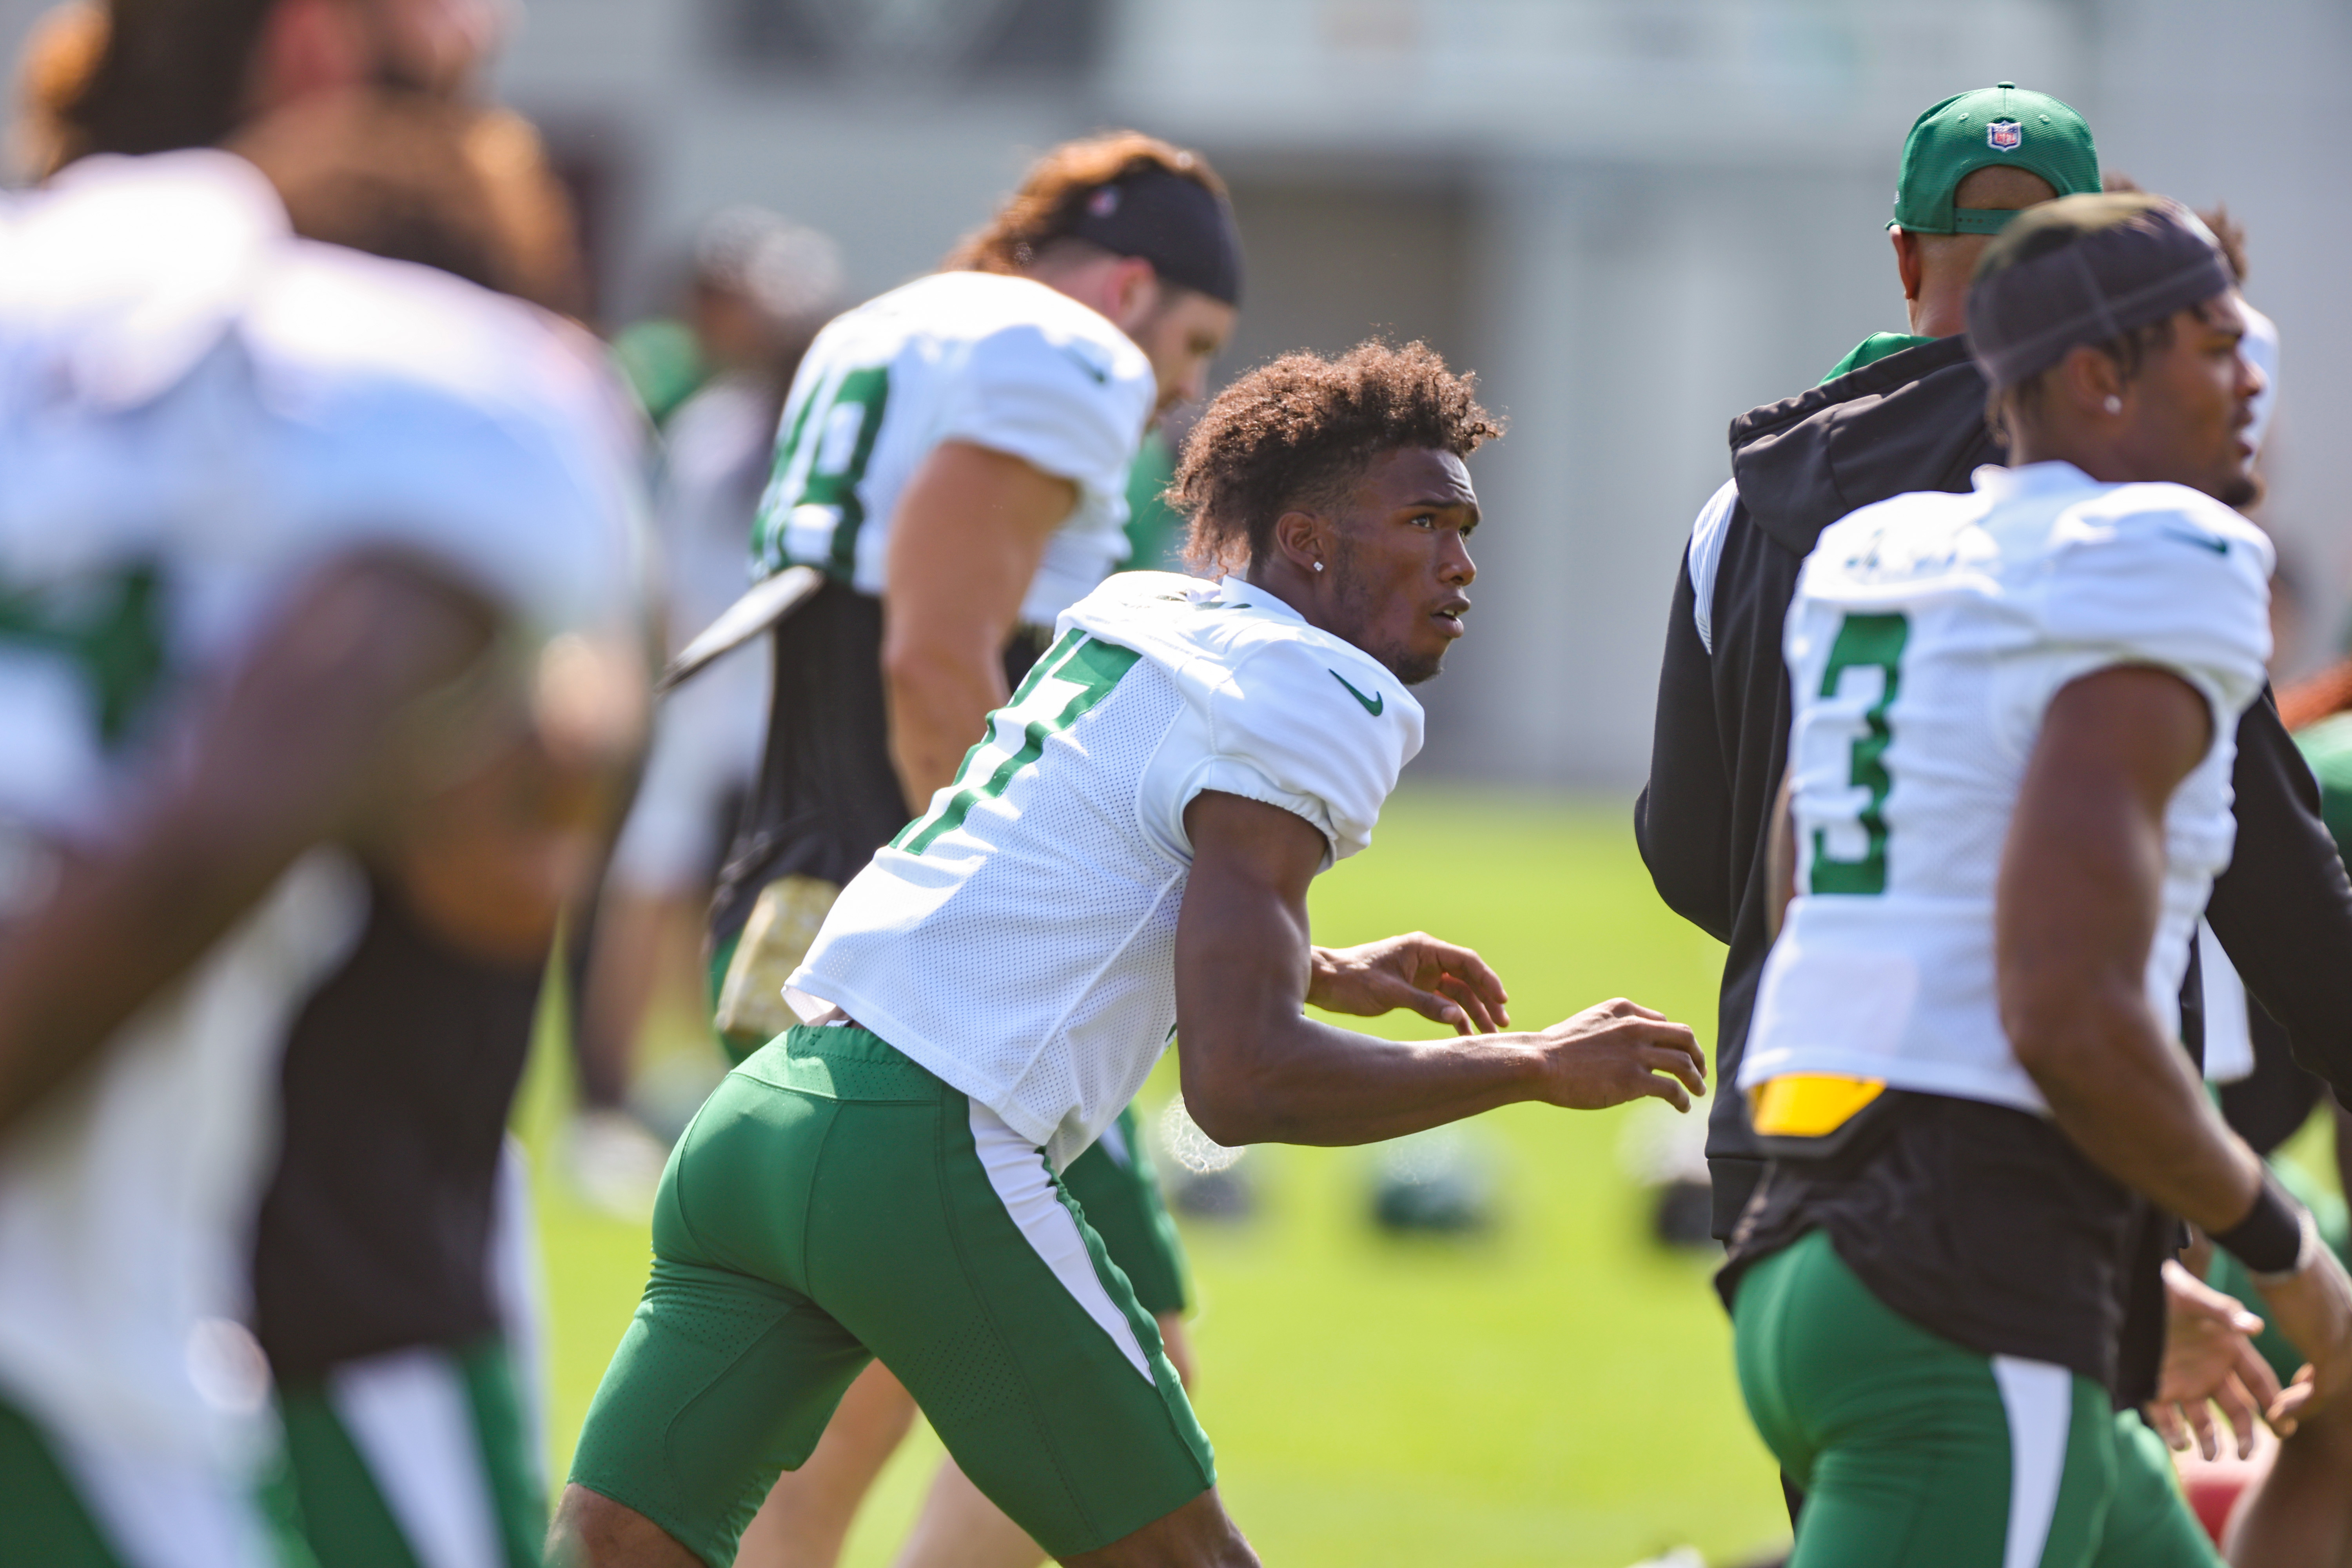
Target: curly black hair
{"type": "Point", "coordinates": [1301, 429]}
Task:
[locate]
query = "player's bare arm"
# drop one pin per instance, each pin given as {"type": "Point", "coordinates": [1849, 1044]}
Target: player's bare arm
{"type": "Point", "coordinates": [2076, 912]}
{"type": "Point", "coordinates": [297, 749]}
{"type": "Point", "coordinates": [1258, 1069]}
{"type": "Point", "coordinates": [965, 543]}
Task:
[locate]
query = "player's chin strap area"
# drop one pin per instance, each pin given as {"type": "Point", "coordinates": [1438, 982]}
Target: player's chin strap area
{"type": "Point", "coordinates": [762, 607]}
{"type": "Point", "coordinates": [1811, 1115]}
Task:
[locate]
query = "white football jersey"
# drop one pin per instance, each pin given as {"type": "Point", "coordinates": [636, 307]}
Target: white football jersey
{"type": "Point", "coordinates": [197, 411]}
{"type": "Point", "coordinates": [1018, 939]}
{"type": "Point", "coordinates": [1002, 363]}
{"type": "Point", "coordinates": [1927, 636]}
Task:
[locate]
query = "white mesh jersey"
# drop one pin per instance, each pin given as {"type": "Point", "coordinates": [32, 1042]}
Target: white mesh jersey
{"type": "Point", "coordinates": [1018, 939]}
{"type": "Point", "coordinates": [1927, 636]}
{"type": "Point", "coordinates": [1002, 363]}
{"type": "Point", "coordinates": [196, 412]}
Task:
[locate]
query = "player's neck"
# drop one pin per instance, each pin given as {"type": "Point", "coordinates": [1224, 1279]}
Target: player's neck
{"type": "Point", "coordinates": [1307, 592]}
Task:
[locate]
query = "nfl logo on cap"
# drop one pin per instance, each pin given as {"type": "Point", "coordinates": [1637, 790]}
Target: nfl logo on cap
{"type": "Point", "coordinates": [2005, 135]}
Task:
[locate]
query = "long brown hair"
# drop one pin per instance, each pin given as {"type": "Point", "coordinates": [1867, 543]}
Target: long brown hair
{"type": "Point", "coordinates": [1054, 191]}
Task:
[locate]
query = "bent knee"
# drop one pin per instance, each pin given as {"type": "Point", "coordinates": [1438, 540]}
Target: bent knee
{"type": "Point", "coordinates": [592, 1531]}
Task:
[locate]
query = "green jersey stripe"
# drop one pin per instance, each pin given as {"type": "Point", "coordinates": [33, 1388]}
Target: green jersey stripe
{"type": "Point", "coordinates": [1096, 666]}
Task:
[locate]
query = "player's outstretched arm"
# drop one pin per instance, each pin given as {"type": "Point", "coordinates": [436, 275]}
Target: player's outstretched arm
{"type": "Point", "coordinates": [1257, 1070]}
{"type": "Point", "coordinates": [294, 751]}
{"type": "Point", "coordinates": [2081, 885]}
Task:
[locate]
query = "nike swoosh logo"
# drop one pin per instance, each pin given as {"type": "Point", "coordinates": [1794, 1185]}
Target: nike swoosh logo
{"type": "Point", "coordinates": [2218, 546]}
{"type": "Point", "coordinates": [1102, 376]}
{"type": "Point", "coordinates": [1372, 705]}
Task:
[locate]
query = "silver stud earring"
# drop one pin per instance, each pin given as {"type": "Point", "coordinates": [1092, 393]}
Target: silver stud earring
{"type": "Point", "coordinates": [2115, 403]}
{"type": "Point", "coordinates": [1319, 567]}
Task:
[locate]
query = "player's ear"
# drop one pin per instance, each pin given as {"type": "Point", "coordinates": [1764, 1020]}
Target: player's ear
{"type": "Point", "coordinates": [2091, 382]}
{"type": "Point", "coordinates": [1304, 539]}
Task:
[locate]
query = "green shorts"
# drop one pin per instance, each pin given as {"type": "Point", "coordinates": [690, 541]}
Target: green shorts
{"type": "Point", "coordinates": [1112, 1181]}
{"type": "Point", "coordinates": [416, 1457]}
{"type": "Point", "coordinates": [1914, 1452]}
{"type": "Point", "coordinates": [831, 1202]}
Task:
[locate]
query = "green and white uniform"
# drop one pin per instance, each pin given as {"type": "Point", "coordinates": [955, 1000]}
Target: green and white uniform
{"type": "Point", "coordinates": [892, 1189]}
{"type": "Point", "coordinates": [197, 413]}
{"type": "Point", "coordinates": [1006, 363]}
{"type": "Point", "coordinates": [1916, 1173]}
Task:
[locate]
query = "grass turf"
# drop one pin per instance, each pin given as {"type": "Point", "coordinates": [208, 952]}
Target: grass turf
{"type": "Point", "coordinates": [1556, 1391]}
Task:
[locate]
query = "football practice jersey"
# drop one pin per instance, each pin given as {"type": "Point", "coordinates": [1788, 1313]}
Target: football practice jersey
{"type": "Point", "coordinates": [1002, 363]}
{"type": "Point", "coordinates": [1018, 939]}
{"type": "Point", "coordinates": [198, 412]}
{"type": "Point", "coordinates": [1929, 635]}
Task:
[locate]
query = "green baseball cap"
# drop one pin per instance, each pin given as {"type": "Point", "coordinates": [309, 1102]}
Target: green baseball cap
{"type": "Point", "coordinates": [2001, 124]}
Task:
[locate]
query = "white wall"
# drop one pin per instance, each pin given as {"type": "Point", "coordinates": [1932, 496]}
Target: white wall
{"type": "Point", "coordinates": [1636, 218]}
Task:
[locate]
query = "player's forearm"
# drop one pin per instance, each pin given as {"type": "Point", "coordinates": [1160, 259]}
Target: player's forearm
{"type": "Point", "coordinates": [939, 695]}
{"type": "Point", "coordinates": [1300, 1082]}
{"type": "Point", "coordinates": [2127, 1097]}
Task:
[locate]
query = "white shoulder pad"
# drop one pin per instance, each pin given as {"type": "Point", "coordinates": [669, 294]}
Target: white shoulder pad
{"type": "Point", "coordinates": [2163, 574]}
{"type": "Point", "coordinates": [1320, 722]}
{"type": "Point", "coordinates": [1063, 404]}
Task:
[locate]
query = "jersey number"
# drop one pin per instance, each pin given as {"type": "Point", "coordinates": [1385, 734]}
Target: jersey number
{"type": "Point", "coordinates": [1865, 642]}
{"type": "Point", "coordinates": [1075, 673]}
{"type": "Point", "coordinates": [110, 628]}
{"type": "Point", "coordinates": [819, 465]}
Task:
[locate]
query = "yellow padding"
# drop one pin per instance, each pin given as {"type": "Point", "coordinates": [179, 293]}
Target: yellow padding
{"type": "Point", "coordinates": [1809, 1105]}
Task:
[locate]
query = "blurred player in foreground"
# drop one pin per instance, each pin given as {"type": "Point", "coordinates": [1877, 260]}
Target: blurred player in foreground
{"type": "Point", "coordinates": [954, 457]}
{"type": "Point", "coordinates": [2007, 796]}
{"type": "Point", "coordinates": [322, 648]}
{"type": "Point", "coordinates": [1129, 852]}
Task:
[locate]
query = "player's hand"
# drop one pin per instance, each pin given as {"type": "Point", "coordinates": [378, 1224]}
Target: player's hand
{"type": "Point", "coordinates": [1619, 1051]}
{"type": "Point", "coordinates": [2312, 1308]}
{"type": "Point", "coordinates": [1438, 981]}
{"type": "Point", "coordinates": [2209, 1359]}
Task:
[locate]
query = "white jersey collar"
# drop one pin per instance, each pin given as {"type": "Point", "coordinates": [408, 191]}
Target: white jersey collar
{"type": "Point", "coordinates": [1233, 590]}
{"type": "Point", "coordinates": [2029, 479]}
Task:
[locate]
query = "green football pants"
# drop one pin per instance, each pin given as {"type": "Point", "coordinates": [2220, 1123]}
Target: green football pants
{"type": "Point", "coordinates": [1914, 1452]}
{"type": "Point", "coordinates": [833, 1202]}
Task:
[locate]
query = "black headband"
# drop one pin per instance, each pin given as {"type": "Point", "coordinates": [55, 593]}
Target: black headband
{"type": "Point", "coordinates": [2023, 318]}
{"type": "Point", "coordinates": [1178, 224]}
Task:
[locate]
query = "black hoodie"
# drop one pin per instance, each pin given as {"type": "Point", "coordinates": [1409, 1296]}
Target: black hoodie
{"type": "Point", "coordinates": [1915, 421]}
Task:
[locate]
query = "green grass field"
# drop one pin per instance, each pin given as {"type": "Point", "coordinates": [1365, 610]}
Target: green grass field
{"type": "Point", "coordinates": [1558, 1391]}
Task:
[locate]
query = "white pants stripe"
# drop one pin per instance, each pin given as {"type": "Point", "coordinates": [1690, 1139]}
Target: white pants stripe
{"type": "Point", "coordinates": [2040, 1401]}
{"type": "Point", "coordinates": [409, 1417]}
{"type": "Point", "coordinates": [159, 1513]}
{"type": "Point", "coordinates": [1017, 1170]}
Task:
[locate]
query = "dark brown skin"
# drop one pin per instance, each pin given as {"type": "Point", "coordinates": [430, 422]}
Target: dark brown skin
{"type": "Point", "coordinates": [295, 751]}
{"type": "Point", "coordinates": [2081, 870]}
{"type": "Point", "coordinates": [1255, 1069]}
{"type": "Point", "coordinates": [2183, 419]}
{"type": "Point", "coordinates": [2081, 879]}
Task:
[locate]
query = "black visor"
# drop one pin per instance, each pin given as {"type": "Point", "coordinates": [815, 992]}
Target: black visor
{"type": "Point", "coordinates": [1178, 224]}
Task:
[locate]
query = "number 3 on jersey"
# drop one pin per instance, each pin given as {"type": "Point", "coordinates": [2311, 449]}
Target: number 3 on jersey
{"type": "Point", "coordinates": [1863, 642]}
{"type": "Point", "coordinates": [1074, 674]}
{"type": "Point", "coordinates": [811, 513]}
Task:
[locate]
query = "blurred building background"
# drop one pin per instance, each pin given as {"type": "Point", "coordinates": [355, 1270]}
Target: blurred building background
{"type": "Point", "coordinates": [1634, 218]}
